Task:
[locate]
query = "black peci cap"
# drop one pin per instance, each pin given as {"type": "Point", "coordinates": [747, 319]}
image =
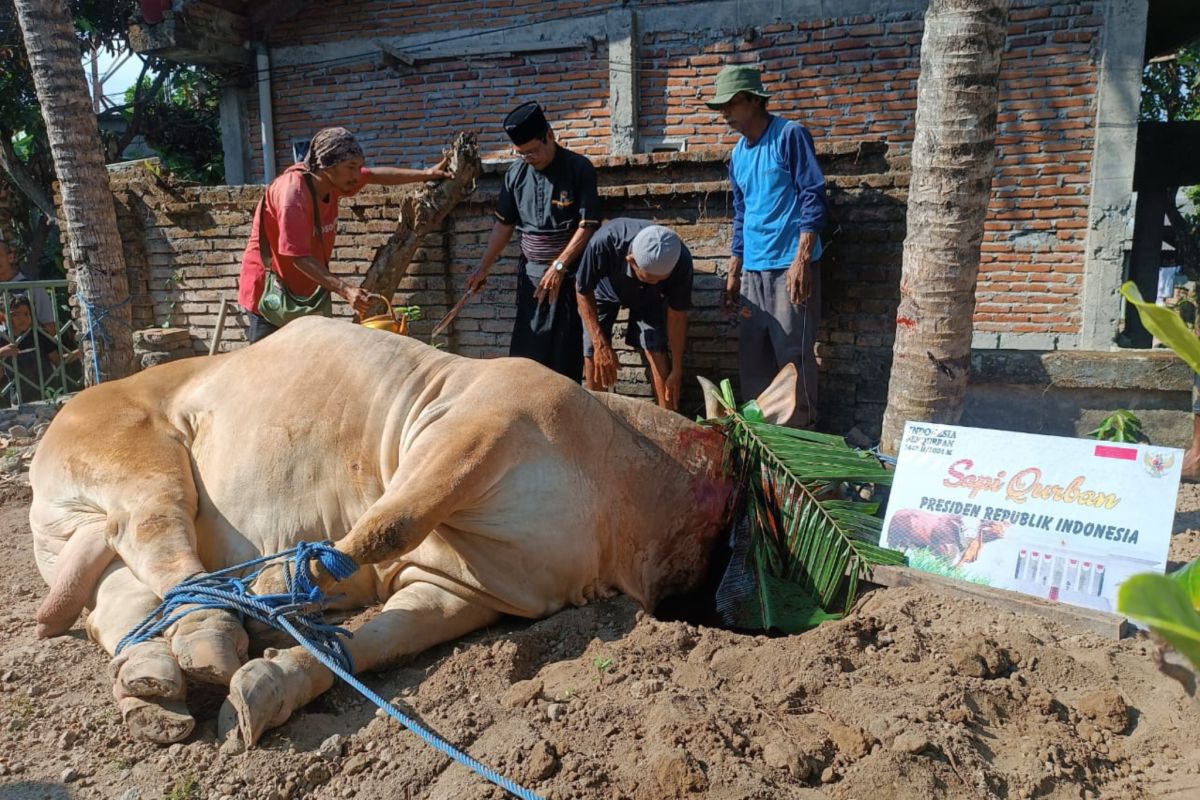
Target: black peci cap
{"type": "Point", "coordinates": [525, 122]}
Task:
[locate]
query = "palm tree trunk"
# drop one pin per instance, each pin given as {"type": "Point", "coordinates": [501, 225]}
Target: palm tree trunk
{"type": "Point", "coordinates": [954, 150]}
{"type": "Point", "coordinates": [93, 242]}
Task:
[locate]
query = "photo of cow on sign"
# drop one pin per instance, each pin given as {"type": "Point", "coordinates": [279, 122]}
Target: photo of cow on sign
{"type": "Point", "coordinates": [942, 542]}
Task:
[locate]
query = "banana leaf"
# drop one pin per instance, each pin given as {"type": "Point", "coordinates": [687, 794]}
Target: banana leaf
{"type": "Point", "coordinates": [1189, 577]}
{"type": "Point", "coordinates": [1166, 325]}
{"type": "Point", "coordinates": [809, 545]}
{"type": "Point", "coordinates": [1163, 603]}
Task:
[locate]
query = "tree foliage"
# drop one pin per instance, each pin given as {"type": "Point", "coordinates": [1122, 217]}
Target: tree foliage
{"type": "Point", "coordinates": [171, 107]}
{"type": "Point", "coordinates": [1171, 93]}
{"type": "Point", "coordinates": [180, 120]}
{"type": "Point", "coordinates": [1170, 87]}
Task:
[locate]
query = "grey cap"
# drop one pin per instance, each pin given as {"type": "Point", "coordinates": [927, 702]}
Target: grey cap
{"type": "Point", "coordinates": [655, 250]}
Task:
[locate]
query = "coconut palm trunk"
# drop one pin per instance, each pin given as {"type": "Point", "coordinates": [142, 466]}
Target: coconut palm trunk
{"type": "Point", "coordinates": [954, 150]}
{"type": "Point", "coordinates": [94, 244]}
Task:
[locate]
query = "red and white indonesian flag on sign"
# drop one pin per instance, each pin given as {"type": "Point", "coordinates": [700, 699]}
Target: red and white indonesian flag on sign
{"type": "Point", "coordinates": [1064, 519]}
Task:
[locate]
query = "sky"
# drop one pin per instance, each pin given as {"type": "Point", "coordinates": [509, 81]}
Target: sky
{"type": "Point", "coordinates": [122, 79]}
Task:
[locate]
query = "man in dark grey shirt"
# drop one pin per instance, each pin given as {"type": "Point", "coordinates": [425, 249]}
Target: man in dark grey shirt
{"type": "Point", "coordinates": [549, 195]}
{"type": "Point", "coordinates": [635, 264]}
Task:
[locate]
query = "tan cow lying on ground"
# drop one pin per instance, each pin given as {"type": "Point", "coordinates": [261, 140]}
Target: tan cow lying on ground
{"type": "Point", "coordinates": [472, 488]}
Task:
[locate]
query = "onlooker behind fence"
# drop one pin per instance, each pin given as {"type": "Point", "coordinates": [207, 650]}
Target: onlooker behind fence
{"type": "Point", "coordinates": [42, 299]}
{"type": "Point", "coordinates": [29, 356]}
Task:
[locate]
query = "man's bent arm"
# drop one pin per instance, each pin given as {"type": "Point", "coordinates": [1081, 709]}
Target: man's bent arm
{"type": "Point", "coordinates": [317, 273]}
{"type": "Point", "coordinates": [575, 247]}
{"type": "Point", "coordinates": [591, 318]}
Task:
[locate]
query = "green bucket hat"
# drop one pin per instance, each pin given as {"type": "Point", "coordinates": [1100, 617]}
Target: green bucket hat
{"type": "Point", "coordinates": [733, 79]}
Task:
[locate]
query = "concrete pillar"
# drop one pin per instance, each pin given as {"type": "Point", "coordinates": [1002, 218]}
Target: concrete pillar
{"type": "Point", "coordinates": [233, 135]}
{"type": "Point", "coordinates": [1118, 98]}
{"type": "Point", "coordinates": [623, 80]}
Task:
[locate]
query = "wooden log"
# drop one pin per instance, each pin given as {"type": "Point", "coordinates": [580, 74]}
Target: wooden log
{"type": "Point", "coordinates": [216, 338]}
{"type": "Point", "coordinates": [1111, 626]}
{"type": "Point", "coordinates": [422, 212]}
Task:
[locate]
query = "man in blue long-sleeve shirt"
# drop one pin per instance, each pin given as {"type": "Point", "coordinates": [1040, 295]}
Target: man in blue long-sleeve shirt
{"type": "Point", "coordinates": [779, 209]}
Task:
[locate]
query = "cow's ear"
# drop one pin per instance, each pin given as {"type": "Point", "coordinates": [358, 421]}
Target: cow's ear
{"type": "Point", "coordinates": [712, 395]}
{"type": "Point", "coordinates": [778, 401]}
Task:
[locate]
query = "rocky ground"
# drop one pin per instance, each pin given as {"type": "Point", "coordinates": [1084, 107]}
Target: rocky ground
{"type": "Point", "coordinates": [20, 430]}
{"type": "Point", "coordinates": [911, 696]}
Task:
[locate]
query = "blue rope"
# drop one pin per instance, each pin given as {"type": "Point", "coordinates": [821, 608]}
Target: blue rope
{"type": "Point", "coordinates": [875, 451]}
{"type": "Point", "coordinates": [92, 320]}
{"type": "Point", "coordinates": [299, 612]}
{"type": "Point", "coordinates": [428, 736]}
{"type": "Point", "coordinates": [886, 459]}
{"type": "Point", "coordinates": [225, 590]}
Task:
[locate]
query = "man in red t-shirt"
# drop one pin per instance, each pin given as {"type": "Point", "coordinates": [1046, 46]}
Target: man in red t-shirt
{"type": "Point", "coordinates": [299, 255]}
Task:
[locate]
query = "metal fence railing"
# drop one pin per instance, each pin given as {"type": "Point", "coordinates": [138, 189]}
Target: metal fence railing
{"type": "Point", "coordinates": [39, 349]}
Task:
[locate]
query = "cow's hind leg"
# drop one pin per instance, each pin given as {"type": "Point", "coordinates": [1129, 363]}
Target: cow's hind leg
{"type": "Point", "coordinates": [148, 684]}
{"type": "Point", "coordinates": [156, 538]}
{"type": "Point", "coordinates": [266, 691]}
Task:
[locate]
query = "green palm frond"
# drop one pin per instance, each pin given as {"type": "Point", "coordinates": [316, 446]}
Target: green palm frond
{"type": "Point", "coordinates": [804, 532]}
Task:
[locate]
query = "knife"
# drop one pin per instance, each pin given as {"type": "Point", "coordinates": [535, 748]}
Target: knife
{"type": "Point", "coordinates": [451, 314]}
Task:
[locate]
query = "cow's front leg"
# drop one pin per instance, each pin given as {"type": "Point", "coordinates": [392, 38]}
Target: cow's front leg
{"type": "Point", "coordinates": [267, 691]}
{"type": "Point", "coordinates": [433, 481]}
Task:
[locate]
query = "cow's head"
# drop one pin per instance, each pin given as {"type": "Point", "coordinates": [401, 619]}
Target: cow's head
{"type": "Point", "coordinates": [990, 530]}
{"type": "Point", "coordinates": [683, 563]}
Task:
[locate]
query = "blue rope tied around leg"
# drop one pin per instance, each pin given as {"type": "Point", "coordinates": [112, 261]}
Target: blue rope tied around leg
{"type": "Point", "coordinates": [225, 590]}
{"type": "Point", "coordinates": [299, 612]}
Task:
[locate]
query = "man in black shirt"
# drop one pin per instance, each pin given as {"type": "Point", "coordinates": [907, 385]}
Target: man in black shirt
{"type": "Point", "coordinates": [635, 264]}
{"type": "Point", "coordinates": [550, 196]}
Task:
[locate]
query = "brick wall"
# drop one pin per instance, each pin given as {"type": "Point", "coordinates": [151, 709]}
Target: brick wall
{"type": "Point", "coordinates": [847, 79]}
{"type": "Point", "coordinates": [406, 116]}
{"type": "Point", "coordinates": [184, 247]}
{"type": "Point", "coordinates": [344, 20]}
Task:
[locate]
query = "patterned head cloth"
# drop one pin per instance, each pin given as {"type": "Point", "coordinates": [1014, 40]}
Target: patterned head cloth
{"type": "Point", "coordinates": [330, 147]}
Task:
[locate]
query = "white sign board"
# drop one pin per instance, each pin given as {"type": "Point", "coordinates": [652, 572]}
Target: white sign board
{"type": "Point", "coordinates": [1063, 519]}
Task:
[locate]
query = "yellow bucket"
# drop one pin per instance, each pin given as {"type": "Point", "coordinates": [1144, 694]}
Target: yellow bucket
{"type": "Point", "coordinates": [388, 321]}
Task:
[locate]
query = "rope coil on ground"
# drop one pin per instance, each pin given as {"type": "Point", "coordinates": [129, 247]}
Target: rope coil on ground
{"type": "Point", "coordinates": [300, 612]}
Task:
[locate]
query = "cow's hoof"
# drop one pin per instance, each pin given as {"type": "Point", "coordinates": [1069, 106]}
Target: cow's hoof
{"type": "Point", "coordinates": [263, 695]}
{"type": "Point", "coordinates": [265, 636]}
{"type": "Point", "coordinates": [148, 670]}
{"type": "Point", "coordinates": [160, 721]}
{"type": "Point", "coordinates": [210, 646]}
{"type": "Point", "coordinates": [272, 580]}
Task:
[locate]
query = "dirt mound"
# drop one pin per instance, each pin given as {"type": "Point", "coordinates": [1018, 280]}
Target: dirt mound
{"type": "Point", "coordinates": [911, 696]}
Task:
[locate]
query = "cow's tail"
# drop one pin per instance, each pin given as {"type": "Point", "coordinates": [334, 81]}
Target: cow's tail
{"type": "Point", "coordinates": [72, 574]}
